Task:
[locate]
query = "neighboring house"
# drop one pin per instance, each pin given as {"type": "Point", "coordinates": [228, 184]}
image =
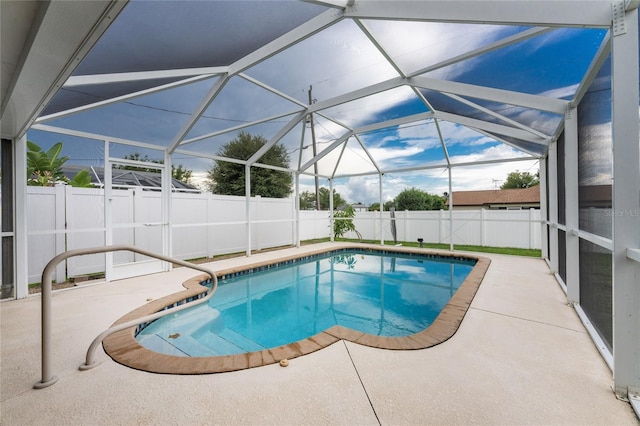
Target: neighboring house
{"type": "Point", "coordinates": [122, 178]}
{"type": "Point", "coordinates": [598, 196]}
{"type": "Point", "coordinates": [360, 207]}
{"type": "Point", "coordinates": [497, 199]}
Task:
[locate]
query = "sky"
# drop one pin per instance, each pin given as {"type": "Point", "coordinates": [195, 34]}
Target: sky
{"type": "Point", "coordinates": [334, 61]}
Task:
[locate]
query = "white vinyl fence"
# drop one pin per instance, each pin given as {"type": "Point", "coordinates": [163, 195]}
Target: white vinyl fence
{"type": "Point", "coordinates": [203, 225]}
{"type": "Point", "coordinates": [491, 228]}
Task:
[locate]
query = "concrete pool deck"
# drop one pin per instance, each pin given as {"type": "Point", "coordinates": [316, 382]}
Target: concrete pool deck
{"type": "Point", "coordinates": [520, 356]}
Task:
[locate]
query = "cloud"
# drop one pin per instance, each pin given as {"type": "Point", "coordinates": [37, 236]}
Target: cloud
{"type": "Point", "coordinates": [342, 59]}
{"type": "Point", "coordinates": [415, 45]}
{"type": "Point", "coordinates": [361, 189]}
{"type": "Point", "coordinates": [365, 189]}
{"type": "Point", "coordinates": [199, 180]}
{"type": "Point", "coordinates": [409, 146]}
{"type": "Point", "coordinates": [484, 176]}
{"type": "Point", "coordinates": [496, 152]}
{"type": "Point", "coordinates": [566, 92]}
{"type": "Point", "coordinates": [334, 61]}
{"type": "Point", "coordinates": [595, 154]}
{"type": "Point", "coordinates": [455, 134]}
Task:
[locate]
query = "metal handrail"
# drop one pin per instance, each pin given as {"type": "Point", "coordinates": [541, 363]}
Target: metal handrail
{"type": "Point", "coordinates": [49, 379]}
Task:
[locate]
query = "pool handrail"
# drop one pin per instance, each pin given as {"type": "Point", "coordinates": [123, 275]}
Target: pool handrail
{"type": "Point", "coordinates": [49, 379]}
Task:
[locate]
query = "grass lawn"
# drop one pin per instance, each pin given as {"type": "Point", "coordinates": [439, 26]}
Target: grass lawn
{"type": "Point", "coordinates": [499, 250]}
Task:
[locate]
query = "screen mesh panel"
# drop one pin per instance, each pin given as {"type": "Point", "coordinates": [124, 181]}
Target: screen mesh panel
{"type": "Point", "coordinates": [562, 255]}
{"type": "Point", "coordinates": [595, 156]}
{"type": "Point", "coordinates": [595, 288]}
{"type": "Point", "coordinates": [561, 181]}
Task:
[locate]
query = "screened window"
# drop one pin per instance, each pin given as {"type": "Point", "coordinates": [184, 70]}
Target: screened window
{"type": "Point", "coordinates": [562, 255]}
{"type": "Point", "coordinates": [561, 182]}
{"type": "Point", "coordinates": [6, 194]}
{"type": "Point", "coordinates": [595, 288]}
{"type": "Point", "coordinates": [595, 156]}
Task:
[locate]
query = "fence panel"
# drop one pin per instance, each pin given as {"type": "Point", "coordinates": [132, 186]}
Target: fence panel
{"type": "Point", "coordinates": [278, 231]}
{"type": "Point", "coordinates": [467, 225]}
{"type": "Point", "coordinates": [494, 228]}
{"type": "Point", "coordinates": [122, 217]}
{"type": "Point", "coordinates": [147, 217]}
{"type": "Point", "coordinates": [507, 228]}
{"type": "Point", "coordinates": [190, 232]}
{"type": "Point", "coordinates": [314, 225]}
{"type": "Point", "coordinates": [426, 225]}
{"type": "Point", "coordinates": [85, 228]}
{"type": "Point", "coordinates": [45, 225]}
{"type": "Point", "coordinates": [368, 224]}
{"type": "Point", "coordinates": [228, 230]}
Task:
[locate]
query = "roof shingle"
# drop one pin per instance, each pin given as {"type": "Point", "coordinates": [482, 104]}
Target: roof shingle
{"type": "Point", "coordinates": [497, 196]}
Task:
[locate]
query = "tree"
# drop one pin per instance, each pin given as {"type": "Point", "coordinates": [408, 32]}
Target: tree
{"type": "Point", "coordinates": [338, 201]}
{"type": "Point", "coordinates": [343, 221]}
{"type": "Point", "coordinates": [521, 180]}
{"type": "Point", "coordinates": [45, 168]}
{"type": "Point", "coordinates": [181, 174]}
{"type": "Point", "coordinates": [228, 178]}
{"type": "Point", "coordinates": [136, 156]}
{"type": "Point", "coordinates": [416, 199]}
{"type": "Point", "coordinates": [307, 200]}
{"type": "Point", "coordinates": [375, 207]}
{"type": "Point", "coordinates": [82, 179]}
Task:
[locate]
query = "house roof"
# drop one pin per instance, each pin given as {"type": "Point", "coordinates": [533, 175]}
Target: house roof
{"type": "Point", "coordinates": [497, 196]}
{"type": "Point", "coordinates": [126, 178]}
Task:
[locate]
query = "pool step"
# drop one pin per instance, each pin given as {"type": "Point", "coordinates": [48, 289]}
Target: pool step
{"type": "Point", "coordinates": [202, 342]}
{"type": "Point", "coordinates": [179, 346]}
{"type": "Point", "coordinates": [226, 341]}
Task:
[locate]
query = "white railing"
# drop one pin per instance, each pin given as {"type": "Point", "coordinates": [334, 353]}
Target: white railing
{"type": "Point", "coordinates": [48, 378]}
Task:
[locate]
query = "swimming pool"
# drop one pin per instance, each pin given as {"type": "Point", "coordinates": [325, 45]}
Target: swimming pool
{"type": "Point", "coordinates": [394, 299]}
{"type": "Point", "coordinates": [383, 294]}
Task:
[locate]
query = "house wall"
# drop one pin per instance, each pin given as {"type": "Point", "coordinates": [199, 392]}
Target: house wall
{"type": "Point", "coordinates": [499, 207]}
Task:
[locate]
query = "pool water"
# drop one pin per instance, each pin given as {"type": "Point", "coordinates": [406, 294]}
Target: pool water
{"type": "Point", "coordinates": [384, 294]}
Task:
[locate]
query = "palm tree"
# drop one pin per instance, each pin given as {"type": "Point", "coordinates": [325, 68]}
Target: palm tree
{"type": "Point", "coordinates": [45, 168]}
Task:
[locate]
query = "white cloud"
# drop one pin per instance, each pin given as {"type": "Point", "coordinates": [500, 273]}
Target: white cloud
{"type": "Point", "coordinates": [596, 155]}
{"type": "Point", "coordinates": [362, 189]}
{"type": "Point", "coordinates": [199, 180]}
{"type": "Point", "coordinates": [415, 45]}
{"type": "Point", "coordinates": [485, 176]}
{"type": "Point", "coordinates": [342, 59]}
{"type": "Point", "coordinates": [365, 189]}
{"type": "Point", "coordinates": [562, 92]}
{"type": "Point", "coordinates": [455, 134]}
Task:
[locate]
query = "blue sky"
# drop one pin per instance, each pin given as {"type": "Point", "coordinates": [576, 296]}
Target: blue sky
{"type": "Point", "coordinates": [343, 59]}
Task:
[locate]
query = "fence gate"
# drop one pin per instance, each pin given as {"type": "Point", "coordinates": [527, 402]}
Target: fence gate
{"type": "Point", "coordinates": [135, 216]}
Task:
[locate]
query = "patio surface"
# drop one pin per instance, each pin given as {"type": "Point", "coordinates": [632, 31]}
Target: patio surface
{"type": "Point", "coordinates": [521, 356]}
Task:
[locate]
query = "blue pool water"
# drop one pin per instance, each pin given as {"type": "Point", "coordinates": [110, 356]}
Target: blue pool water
{"type": "Point", "coordinates": [388, 294]}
